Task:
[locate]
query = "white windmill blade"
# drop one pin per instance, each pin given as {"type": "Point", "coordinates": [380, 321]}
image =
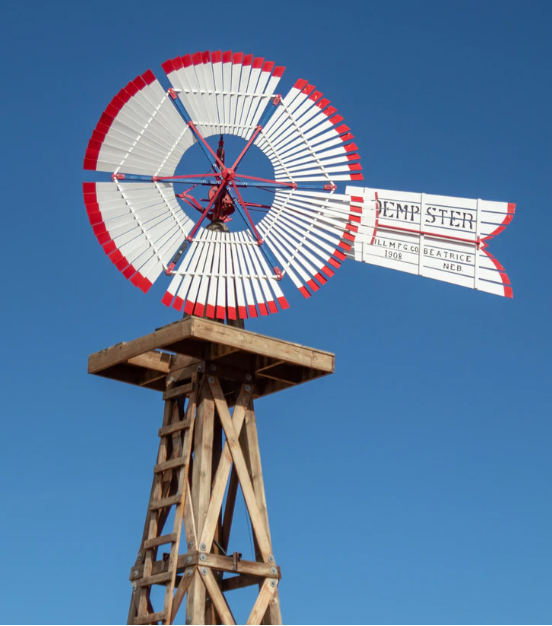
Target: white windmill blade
{"type": "Point", "coordinates": [139, 226]}
{"type": "Point", "coordinates": [305, 124]}
{"type": "Point", "coordinates": [223, 92]}
{"type": "Point", "coordinates": [139, 132]}
{"type": "Point", "coordinates": [440, 237]}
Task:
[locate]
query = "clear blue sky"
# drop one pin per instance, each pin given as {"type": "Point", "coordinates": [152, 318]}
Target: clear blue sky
{"type": "Point", "coordinates": [412, 486]}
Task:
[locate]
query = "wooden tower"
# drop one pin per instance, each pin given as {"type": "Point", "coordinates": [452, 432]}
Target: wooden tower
{"type": "Point", "coordinates": [210, 375]}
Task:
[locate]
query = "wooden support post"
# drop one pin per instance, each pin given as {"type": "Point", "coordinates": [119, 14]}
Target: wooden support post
{"type": "Point", "coordinates": [208, 447]}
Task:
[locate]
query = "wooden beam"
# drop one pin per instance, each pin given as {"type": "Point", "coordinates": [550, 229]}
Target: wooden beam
{"type": "Point", "coordinates": [263, 599]}
{"type": "Point", "coordinates": [222, 473]}
{"type": "Point", "coordinates": [257, 520]}
{"type": "Point", "coordinates": [217, 597]}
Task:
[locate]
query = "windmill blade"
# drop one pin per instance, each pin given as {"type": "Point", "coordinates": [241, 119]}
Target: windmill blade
{"type": "Point", "coordinates": [440, 237]}
{"type": "Point", "coordinates": [140, 226]}
{"type": "Point", "coordinates": [223, 92]}
{"type": "Point", "coordinates": [306, 141]}
{"type": "Point", "coordinates": [139, 132]}
{"type": "Point", "coordinates": [224, 275]}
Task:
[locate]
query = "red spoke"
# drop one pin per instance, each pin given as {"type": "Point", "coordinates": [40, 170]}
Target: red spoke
{"type": "Point", "coordinates": [200, 137]}
{"type": "Point", "coordinates": [244, 207]}
{"type": "Point", "coordinates": [248, 145]}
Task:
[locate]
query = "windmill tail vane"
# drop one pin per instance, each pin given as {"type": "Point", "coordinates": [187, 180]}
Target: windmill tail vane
{"type": "Point", "coordinates": [308, 226]}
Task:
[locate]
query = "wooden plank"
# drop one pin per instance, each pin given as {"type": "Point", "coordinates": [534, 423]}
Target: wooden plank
{"type": "Point", "coordinates": [239, 582]}
{"type": "Point", "coordinates": [229, 509]}
{"type": "Point", "coordinates": [176, 392]}
{"type": "Point", "coordinates": [223, 471]}
{"type": "Point", "coordinates": [201, 331]}
{"type": "Point", "coordinates": [181, 591]}
{"type": "Point", "coordinates": [214, 561]}
{"type": "Point", "coordinates": [152, 618]}
{"type": "Point", "coordinates": [226, 564]}
{"type": "Point", "coordinates": [163, 502]}
{"type": "Point", "coordinates": [156, 579]}
{"type": "Point", "coordinates": [171, 464]}
{"type": "Point", "coordinates": [257, 520]}
{"type": "Point", "coordinates": [260, 344]}
{"type": "Point", "coordinates": [217, 597]}
{"type": "Point", "coordinates": [154, 360]}
{"type": "Point", "coordinates": [262, 602]}
{"type": "Point", "coordinates": [159, 541]}
{"type": "Point", "coordinates": [174, 428]}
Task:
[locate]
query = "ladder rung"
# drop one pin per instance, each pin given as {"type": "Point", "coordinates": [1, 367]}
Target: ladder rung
{"type": "Point", "coordinates": [159, 541]}
{"type": "Point", "coordinates": [157, 579]}
{"type": "Point", "coordinates": [176, 392]}
{"type": "Point", "coordinates": [150, 619]}
{"type": "Point", "coordinates": [160, 504]}
{"type": "Point", "coordinates": [174, 428]}
{"type": "Point", "coordinates": [167, 465]}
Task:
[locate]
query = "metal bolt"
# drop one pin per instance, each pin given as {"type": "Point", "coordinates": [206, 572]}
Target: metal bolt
{"type": "Point", "coordinates": [204, 571]}
{"type": "Point", "coordinates": [188, 620]}
{"type": "Point", "coordinates": [211, 379]}
{"type": "Point", "coordinates": [171, 380]}
{"type": "Point", "coordinates": [189, 573]}
{"type": "Point", "coordinates": [203, 557]}
{"type": "Point", "coordinates": [248, 387]}
{"type": "Point", "coordinates": [270, 558]}
{"type": "Point", "coordinates": [190, 544]}
{"type": "Point", "coordinates": [273, 583]}
{"type": "Point", "coordinates": [213, 367]}
{"type": "Point", "coordinates": [203, 547]}
{"type": "Point", "coordinates": [134, 586]}
{"type": "Point", "coordinates": [248, 377]}
{"type": "Point", "coordinates": [140, 557]}
{"type": "Point", "coordinates": [188, 560]}
{"type": "Point", "coordinates": [199, 368]}
{"type": "Point", "coordinates": [135, 573]}
{"type": "Point", "coordinates": [273, 570]}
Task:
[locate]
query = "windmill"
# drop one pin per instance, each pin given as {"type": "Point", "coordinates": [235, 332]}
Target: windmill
{"type": "Point", "coordinates": [226, 259]}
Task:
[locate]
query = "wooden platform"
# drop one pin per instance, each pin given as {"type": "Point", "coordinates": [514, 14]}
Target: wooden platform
{"type": "Point", "coordinates": [169, 356]}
